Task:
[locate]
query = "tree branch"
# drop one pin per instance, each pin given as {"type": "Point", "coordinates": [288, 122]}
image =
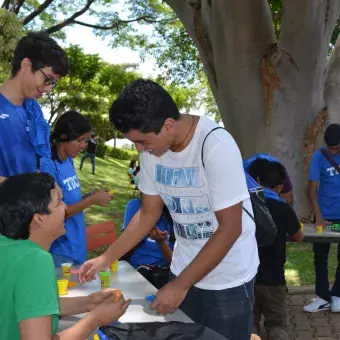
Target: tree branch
{"type": "Point", "coordinates": [38, 11]}
{"type": "Point", "coordinates": [70, 20]}
{"type": "Point", "coordinates": [18, 6]}
{"type": "Point", "coordinates": [307, 27]}
{"type": "Point", "coordinates": [6, 4]}
{"type": "Point", "coordinates": [118, 23]}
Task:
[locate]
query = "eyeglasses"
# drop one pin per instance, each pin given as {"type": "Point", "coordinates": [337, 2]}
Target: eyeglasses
{"type": "Point", "coordinates": [48, 81]}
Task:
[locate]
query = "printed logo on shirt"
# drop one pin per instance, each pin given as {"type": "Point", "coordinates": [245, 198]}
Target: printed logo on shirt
{"type": "Point", "coordinates": [191, 209]}
{"type": "Point", "coordinates": [3, 115]}
{"type": "Point", "coordinates": [179, 177]}
{"type": "Point", "coordinates": [332, 171]}
{"type": "Point", "coordinates": [187, 205]}
{"type": "Point", "coordinates": [195, 231]}
{"type": "Point", "coordinates": [72, 183]}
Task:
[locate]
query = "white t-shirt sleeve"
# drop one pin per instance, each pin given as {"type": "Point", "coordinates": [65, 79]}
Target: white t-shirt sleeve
{"type": "Point", "coordinates": [224, 170]}
{"type": "Point", "coordinates": [146, 177]}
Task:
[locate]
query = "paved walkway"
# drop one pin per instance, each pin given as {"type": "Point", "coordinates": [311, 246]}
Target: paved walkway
{"type": "Point", "coordinates": [310, 326]}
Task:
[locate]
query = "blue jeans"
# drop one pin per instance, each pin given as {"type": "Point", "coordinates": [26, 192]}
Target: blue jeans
{"type": "Point", "coordinates": [228, 311]}
{"type": "Point", "coordinates": [93, 161]}
{"type": "Point", "coordinates": [60, 259]}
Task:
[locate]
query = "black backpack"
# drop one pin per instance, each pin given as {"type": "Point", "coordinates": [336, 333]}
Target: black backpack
{"type": "Point", "coordinates": [266, 229]}
{"type": "Point", "coordinates": [173, 330]}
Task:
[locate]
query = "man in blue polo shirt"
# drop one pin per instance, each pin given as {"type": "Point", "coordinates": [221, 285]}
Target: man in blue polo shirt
{"type": "Point", "coordinates": [38, 64]}
{"type": "Point", "coordinates": [324, 194]}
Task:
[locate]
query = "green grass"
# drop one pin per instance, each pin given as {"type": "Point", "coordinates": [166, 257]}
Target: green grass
{"type": "Point", "coordinates": [300, 264]}
{"type": "Point", "coordinates": [112, 174]}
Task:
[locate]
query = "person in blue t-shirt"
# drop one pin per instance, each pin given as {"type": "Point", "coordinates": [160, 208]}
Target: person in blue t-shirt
{"type": "Point", "coordinates": [153, 253]}
{"type": "Point", "coordinates": [68, 139]}
{"type": "Point", "coordinates": [38, 63]}
{"type": "Point", "coordinates": [287, 190]}
{"type": "Point", "coordinates": [324, 195]}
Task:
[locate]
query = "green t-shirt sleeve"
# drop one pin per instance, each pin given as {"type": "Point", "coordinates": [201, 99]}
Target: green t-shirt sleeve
{"type": "Point", "coordinates": [35, 291]}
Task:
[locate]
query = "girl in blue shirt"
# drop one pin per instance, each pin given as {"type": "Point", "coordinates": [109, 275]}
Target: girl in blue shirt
{"type": "Point", "coordinates": [68, 139]}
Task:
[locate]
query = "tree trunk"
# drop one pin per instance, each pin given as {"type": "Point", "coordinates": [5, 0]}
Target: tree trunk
{"type": "Point", "coordinates": [270, 93]}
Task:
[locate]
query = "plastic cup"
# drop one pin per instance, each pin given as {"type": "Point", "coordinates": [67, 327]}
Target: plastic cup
{"type": "Point", "coordinates": [114, 266]}
{"type": "Point", "coordinates": [104, 279]}
{"type": "Point", "coordinates": [62, 287]}
{"type": "Point", "coordinates": [302, 225]}
{"type": "Point", "coordinates": [66, 269]}
{"type": "Point", "coordinates": [319, 229]}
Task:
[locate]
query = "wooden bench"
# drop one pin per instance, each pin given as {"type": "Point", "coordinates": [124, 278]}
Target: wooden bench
{"type": "Point", "coordinates": [99, 235]}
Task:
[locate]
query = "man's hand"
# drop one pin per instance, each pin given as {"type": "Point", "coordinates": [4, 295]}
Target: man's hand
{"type": "Point", "coordinates": [321, 221]}
{"type": "Point", "coordinates": [169, 298]}
{"type": "Point", "coordinates": [97, 298]}
{"type": "Point", "coordinates": [158, 235]}
{"type": "Point", "coordinates": [90, 268]}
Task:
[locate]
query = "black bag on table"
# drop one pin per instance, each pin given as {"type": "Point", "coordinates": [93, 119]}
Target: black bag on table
{"type": "Point", "coordinates": [173, 330]}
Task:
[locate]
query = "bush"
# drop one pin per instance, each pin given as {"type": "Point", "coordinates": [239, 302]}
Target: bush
{"type": "Point", "coordinates": [102, 149]}
{"type": "Point", "coordinates": [122, 154]}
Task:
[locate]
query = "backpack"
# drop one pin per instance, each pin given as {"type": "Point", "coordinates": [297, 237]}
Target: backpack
{"type": "Point", "coordinates": [266, 229]}
{"type": "Point", "coordinates": [172, 330]}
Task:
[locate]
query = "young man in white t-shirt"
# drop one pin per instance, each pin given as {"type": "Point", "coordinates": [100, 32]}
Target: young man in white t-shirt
{"type": "Point", "coordinates": [215, 257]}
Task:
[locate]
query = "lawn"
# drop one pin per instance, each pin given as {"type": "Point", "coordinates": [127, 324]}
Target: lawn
{"type": "Point", "coordinates": [112, 174]}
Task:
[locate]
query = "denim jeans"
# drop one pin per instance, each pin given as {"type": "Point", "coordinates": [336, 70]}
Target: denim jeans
{"type": "Point", "coordinates": [228, 311]}
{"type": "Point", "coordinates": [93, 161]}
{"type": "Point", "coordinates": [60, 259]}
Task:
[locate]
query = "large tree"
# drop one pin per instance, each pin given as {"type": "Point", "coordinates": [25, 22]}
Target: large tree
{"type": "Point", "coordinates": [268, 78]}
{"type": "Point", "coordinates": [266, 61]}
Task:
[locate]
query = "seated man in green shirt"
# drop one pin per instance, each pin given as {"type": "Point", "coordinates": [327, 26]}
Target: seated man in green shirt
{"type": "Point", "coordinates": [31, 217]}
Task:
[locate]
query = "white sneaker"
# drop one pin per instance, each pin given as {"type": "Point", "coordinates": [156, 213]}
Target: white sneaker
{"type": "Point", "coordinates": [335, 304]}
{"type": "Point", "coordinates": [318, 305]}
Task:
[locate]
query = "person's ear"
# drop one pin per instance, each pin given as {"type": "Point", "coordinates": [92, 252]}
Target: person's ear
{"type": "Point", "coordinates": [26, 65]}
{"type": "Point", "coordinates": [37, 221]}
{"type": "Point", "coordinates": [169, 126]}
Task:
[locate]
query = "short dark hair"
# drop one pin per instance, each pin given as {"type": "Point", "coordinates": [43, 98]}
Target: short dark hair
{"type": "Point", "coordinates": [71, 125]}
{"type": "Point", "coordinates": [332, 135]}
{"type": "Point", "coordinates": [21, 197]}
{"type": "Point", "coordinates": [271, 174]}
{"type": "Point", "coordinates": [144, 106]}
{"type": "Point", "coordinates": [43, 51]}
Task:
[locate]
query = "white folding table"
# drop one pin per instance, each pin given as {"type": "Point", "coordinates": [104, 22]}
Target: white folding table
{"type": "Point", "coordinates": [133, 286]}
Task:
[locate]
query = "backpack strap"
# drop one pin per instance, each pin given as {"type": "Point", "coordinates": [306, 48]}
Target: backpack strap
{"type": "Point", "coordinates": [330, 160]}
{"type": "Point", "coordinates": [216, 128]}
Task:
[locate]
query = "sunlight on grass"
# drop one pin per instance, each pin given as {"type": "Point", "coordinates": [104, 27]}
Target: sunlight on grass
{"type": "Point", "coordinates": [110, 174]}
{"type": "Point", "coordinates": [300, 264]}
